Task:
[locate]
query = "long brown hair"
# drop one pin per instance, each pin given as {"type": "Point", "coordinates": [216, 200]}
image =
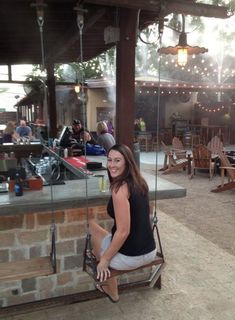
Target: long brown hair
{"type": "Point", "coordinates": [131, 175]}
{"type": "Point", "coordinates": [10, 128]}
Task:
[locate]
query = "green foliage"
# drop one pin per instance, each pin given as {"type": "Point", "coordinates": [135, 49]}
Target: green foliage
{"type": "Point", "coordinates": [230, 4]}
{"type": "Point", "coordinates": [92, 69]}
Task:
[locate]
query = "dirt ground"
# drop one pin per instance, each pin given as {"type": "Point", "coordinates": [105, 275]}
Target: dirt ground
{"type": "Point", "coordinates": [212, 215]}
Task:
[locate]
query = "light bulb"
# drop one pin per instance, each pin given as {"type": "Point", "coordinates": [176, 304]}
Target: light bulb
{"type": "Point", "coordinates": [182, 57]}
{"type": "Point", "coordinates": [77, 88]}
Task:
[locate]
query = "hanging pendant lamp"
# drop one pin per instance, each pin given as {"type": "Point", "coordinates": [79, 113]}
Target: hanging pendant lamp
{"type": "Point", "coordinates": [182, 49]}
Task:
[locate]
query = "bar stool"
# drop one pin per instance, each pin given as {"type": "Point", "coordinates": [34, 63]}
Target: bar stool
{"type": "Point", "coordinates": [144, 141]}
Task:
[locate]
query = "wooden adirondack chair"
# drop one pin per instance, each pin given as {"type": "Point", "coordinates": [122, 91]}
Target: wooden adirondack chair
{"type": "Point", "coordinates": [216, 146]}
{"type": "Point", "coordinates": [178, 148]}
{"type": "Point", "coordinates": [171, 163]}
{"type": "Point", "coordinates": [226, 165]}
{"type": "Point", "coordinates": [202, 160]}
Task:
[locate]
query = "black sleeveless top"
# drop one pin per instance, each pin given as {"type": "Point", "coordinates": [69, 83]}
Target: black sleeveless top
{"type": "Point", "coordinates": [140, 240]}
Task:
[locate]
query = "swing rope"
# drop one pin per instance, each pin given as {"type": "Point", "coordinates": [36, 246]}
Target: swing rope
{"type": "Point", "coordinates": [40, 20]}
{"type": "Point", "coordinates": [155, 218]}
{"type": "Point", "coordinates": [46, 265]}
{"type": "Point", "coordinates": [89, 259]}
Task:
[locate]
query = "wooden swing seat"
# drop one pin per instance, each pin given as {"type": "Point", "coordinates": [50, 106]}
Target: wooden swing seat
{"type": "Point", "coordinates": [156, 261]}
{"type": "Point", "coordinates": [89, 267]}
{"type": "Point", "coordinates": [26, 269]}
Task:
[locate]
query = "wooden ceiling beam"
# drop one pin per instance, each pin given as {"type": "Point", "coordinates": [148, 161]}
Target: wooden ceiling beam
{"type": "Point", "coordinates": [170, 6]}
{"type": "Point", "coordinates": [88, 24]}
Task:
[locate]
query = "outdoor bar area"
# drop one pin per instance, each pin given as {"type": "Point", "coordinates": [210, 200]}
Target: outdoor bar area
{"type": "Point", "coordinates": [26, 223]}
{"type": "Point", "coordinates": [91, 63]}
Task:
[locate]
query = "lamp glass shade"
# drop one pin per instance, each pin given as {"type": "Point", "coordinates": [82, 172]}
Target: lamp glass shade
{"type": "Point", "coordinates": [77, 88]}
{"type": "Point", "coordinates": [182, 57]}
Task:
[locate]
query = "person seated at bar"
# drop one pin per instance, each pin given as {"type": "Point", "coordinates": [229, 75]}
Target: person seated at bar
{"type": "Point", "coordinates": [23, 130]}
{"type": "Point", "coordinates": [9, 134]}
{"type": "Point", "coordinates": [78, 131]}
{"type": "Point", "coordinates": [105, 139]}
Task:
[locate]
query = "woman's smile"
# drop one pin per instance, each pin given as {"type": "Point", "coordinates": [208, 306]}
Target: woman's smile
{"type": "Point", "coordinates": [115, 163]}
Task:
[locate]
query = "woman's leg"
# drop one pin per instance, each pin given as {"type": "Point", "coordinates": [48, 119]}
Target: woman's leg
{"type": "Point", "coordinates": [97, 235]}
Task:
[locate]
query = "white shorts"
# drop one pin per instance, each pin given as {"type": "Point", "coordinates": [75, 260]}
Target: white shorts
{"type": "Point", "coordinates": [122, 262]}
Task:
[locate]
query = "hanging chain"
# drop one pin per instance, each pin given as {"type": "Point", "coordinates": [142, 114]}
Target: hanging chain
{"type": "Point", "coordinates": [155, 218]}
{"type": "Point", "coordinates": [40, 5]}
{"type": "Point", "coordinates": [40, 24]}
{"type": "Point", "coordinates": [158, 129]}
{"type": "Point", "coordinates": [89, 259]}
{"type": "Point", "coordinates": [80, 24]}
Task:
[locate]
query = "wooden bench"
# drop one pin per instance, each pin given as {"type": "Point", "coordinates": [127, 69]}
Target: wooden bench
{"type": "Point", "coordinates": [26, 269]}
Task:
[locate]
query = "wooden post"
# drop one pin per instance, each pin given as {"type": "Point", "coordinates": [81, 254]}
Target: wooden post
{"type": "Point", "coordinates": [125, 78]}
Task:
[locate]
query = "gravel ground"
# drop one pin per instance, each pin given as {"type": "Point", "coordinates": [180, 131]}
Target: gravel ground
{"type": "Point", "coordinates": [212, 215]}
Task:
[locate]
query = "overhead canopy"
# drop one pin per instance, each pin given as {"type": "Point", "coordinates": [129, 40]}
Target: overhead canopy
{"type": "Point", "coordinates": [20, 36]}
{"type": "Point", "coordinates": [20, 40]}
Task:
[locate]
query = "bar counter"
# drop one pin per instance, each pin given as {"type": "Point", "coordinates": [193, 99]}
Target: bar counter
{"type": "Point", "coordinates": [72, 194]}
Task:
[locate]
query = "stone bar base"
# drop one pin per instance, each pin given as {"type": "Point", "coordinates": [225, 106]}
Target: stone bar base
{"type": "Point", "coordinates": [26, 236]}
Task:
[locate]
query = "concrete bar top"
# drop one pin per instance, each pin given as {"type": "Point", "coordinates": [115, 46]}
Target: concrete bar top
{"type": "Point", "coordinates": [73, 194]}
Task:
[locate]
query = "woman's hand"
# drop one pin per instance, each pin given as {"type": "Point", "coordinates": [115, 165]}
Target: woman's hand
{"type": "Point", "coordinates": [86, 136]}
{"type": "Point", "coordinates": [103, 272]}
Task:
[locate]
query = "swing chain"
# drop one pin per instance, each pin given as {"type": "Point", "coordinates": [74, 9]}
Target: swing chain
{"type": "Point", "coordinates": [89, 259]}
{"type": "Point", "coordinates": [40, 20]}
{"type": "Point", "coordinates": [155, 227]}
{"type": "Point", "coordinates": [80, 16]}
{"type": "Point", "coordinates": [40, 5]}
{"type": "Point", "coordinates": [155, 219]}
{"type": "Point", "coordinates": [53, 246]}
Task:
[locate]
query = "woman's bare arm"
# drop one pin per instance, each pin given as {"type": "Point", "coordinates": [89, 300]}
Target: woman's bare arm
{"type": "Point", "coordinates": [122, 216]}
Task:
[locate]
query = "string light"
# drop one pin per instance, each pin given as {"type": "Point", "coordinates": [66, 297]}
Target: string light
{"type": "Point", "coordinates": [210, 109]}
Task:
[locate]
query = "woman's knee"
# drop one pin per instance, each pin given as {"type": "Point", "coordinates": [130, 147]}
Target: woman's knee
{"type": "Point", "coordinates": [92, 224]}
{"type": "Point", "coordinates": [94, 228]}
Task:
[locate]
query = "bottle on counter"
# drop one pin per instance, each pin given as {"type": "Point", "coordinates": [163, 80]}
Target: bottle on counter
{"type": "Point", "coordinates": [66, 153]}
{"type": "Point", "coordinates": [18, 186]}
{"type": "Point", "coordinates": [54, 144]}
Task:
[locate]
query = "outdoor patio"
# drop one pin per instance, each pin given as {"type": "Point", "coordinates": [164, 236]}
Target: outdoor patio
{"type": "Point", "coordinates": [198, 282]}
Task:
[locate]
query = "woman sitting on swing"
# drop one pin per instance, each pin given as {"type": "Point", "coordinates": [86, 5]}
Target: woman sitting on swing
{"type": "Point", "coordinates": [131, 242]}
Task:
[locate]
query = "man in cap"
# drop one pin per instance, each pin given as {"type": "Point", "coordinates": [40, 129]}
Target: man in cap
{"type": "Point", "coordinates": [80, 134]}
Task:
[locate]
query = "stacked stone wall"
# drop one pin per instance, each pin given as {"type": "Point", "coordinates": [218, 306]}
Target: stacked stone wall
{"type": "Point", "coordinates": [29, 236]}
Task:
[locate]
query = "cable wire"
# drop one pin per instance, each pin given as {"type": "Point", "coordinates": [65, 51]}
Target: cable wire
{"type": "Point", "coordinates": [40, 20]}
{"type": "Point", "coordinates": [155, 218]}
{"type": "Point", "coordinates": [80, 24]}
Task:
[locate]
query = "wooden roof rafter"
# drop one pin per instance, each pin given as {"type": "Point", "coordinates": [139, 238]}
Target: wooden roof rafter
{"type": "Point", "coordinates": [163, 7]}
{"type": "Point", "coordinates": [20, 41]}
